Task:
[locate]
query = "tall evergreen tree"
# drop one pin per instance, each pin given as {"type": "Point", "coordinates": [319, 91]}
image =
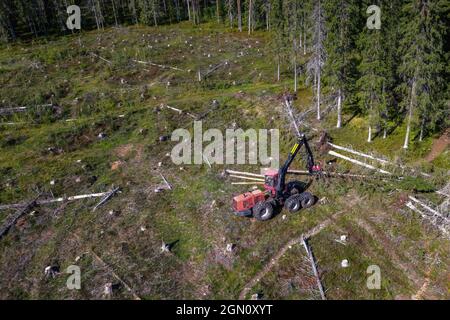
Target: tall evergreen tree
{"type": "Point", "coordinates": [318, 56]}
{"type": "Point", "coordinates": [422, 64]}
{"type": "Point", "coordinates": [372, 70]}
{"type": "Point", "coordinates": [341, 25]}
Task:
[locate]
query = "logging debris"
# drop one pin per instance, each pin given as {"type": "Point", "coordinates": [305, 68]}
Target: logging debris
{"type": "Point", "coordinates": [11, 221]}
{"type": "Point", "coordinates": [106, 198]}
{"type": "Point", "coordinates": [368, 156]}
{"type": "Point", "coordinates": [159, 65]}
{"type": "Point", "coordinates": [314, 267]}
{"type": "Point", "coordinates": [360, 163]}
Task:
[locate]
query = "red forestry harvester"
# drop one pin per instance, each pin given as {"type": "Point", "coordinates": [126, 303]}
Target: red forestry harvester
{"type": "Point", "coordinates": [278, 193]}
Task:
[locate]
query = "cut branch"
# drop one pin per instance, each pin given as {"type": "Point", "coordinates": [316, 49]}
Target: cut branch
{"type": "Point", "coordinates": [101, 58]}
{"type": "Point", "coordinates": [158, 65]}
{"type": "Point", "coordinates": [106, 198]}
{"type": "Point", "coordinates": [314, 267]}
{"type": "Point", "coordinates": [13, 219]}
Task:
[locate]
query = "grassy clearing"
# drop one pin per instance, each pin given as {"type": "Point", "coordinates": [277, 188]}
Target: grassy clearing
{"type": "Point", "coordinates": [122, 100]}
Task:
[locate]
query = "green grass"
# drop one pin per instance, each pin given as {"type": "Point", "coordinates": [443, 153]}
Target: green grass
{"type": "Point", "coordinates": [122, 100]}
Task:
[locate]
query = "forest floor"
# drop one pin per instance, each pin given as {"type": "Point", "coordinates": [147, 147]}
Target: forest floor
{"type": "Point", "coordinates": [104, 130]}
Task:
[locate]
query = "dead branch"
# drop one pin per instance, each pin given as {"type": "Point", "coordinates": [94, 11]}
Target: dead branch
{"type": "Point", "coordinates": [101, 58]}
{"type": "Point", "coordinates": [158, 65]}
{"type": "Point", "coordinates": [214, 68]}
{"type": "Point", "coordinates": [166, 182]}
{"type": "Point", "coordinates": [436, 220]}
{"type": "Point", "coordinates": [314, 267]}
{"type": "Point", "coordinates": [61, 199]}
{"type": "Point", "coordinates": [180, 111]}
{"type": "Point", "coordinates": [13, 219]}
{"type": "Point", "coordinates": [110, 269]}
{"type": "Point", "coordinates": [11, 110]}
{"type": "Point", "coordinates": [106, 198]}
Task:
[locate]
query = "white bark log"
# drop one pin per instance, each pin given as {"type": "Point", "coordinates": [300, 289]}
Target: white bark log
{"type": "Point", "coordinates": [359, 153]}
{"type": "Point", "coordinates": [246, 178]}
{"type": "Point", "coordinates": [245, 173]}
{"type": "Point", "coordinates": [360, 163]}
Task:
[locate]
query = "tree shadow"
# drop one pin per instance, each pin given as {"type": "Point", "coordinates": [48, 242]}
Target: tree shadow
{"type": "Point", "coordinates": [351, 118]}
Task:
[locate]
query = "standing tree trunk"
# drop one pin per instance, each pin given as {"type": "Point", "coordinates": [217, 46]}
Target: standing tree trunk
{"type": "Point", "coordinates": [189, 9]}
{"type": "Point", "coordinates": [239, 15]}
{"type": "Point", "coordinates": [278, 69]}
{"type": "Point", "coordinates": [132, 6]}
{"type": "Point", "coordinates": [218, 10]}
{"type": "Point", "coordinates": [114, 12]}
{"type": "Point", "coordinates": [318, 94]}
{"type": "Point", "coordinates": [304, 42]}
{"type": "Point", "coordinates": [422, 127]}
{"type": "Point", "coordinates": [230, 13]}
{"type": "Point", "coordinates": [339, 110]}
{"type": "Point", "coordinates": [295, 65]}
{"type": "Point", "coordinates": [410, 113]}
{"type": "Point", "coordinates": [154, 10]}
{"type": "Point", "coordinates": [250, 9]}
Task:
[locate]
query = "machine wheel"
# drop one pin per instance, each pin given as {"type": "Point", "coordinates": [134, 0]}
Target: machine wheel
{"type": "Point", "coordinates": [263, 210]}
{"type": "Point", "coordinates": [295, 187]}
{"type": "Point", "coordinates": [307, 200]}
{"type": "Point", "coordinates": [293, 203]}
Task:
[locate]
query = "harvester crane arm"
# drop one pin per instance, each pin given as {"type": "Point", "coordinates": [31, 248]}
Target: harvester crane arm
{"type": "Point", "coordinates": [281, 186]}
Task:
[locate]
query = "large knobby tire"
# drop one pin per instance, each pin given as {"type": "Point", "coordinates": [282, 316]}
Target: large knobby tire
{"type": "Point", "coordinates": [295, 187]}
{"type": "Point", "coordinates": [293, 203]}
{"type": "Point", "coordinates": [307, 200]}
{"type": "Point", "coordinates": [263, 210]}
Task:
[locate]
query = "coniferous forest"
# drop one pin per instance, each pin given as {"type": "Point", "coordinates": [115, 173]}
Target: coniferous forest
{"type": "Point", "coordinates": [397, 72]}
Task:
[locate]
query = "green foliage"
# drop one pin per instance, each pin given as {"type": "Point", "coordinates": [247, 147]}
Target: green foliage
{"type": "Point", "coordinates": [416, 184]}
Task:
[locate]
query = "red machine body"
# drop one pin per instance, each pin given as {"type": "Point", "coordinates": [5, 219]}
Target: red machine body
{"type": "Point", "coordinates": [243, 203]}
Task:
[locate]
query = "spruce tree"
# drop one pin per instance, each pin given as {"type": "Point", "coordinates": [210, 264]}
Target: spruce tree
{"type": "Point", "coordinates": [372, 80]}
{"type": "Point", "coordinates": [318, 53]}
{"type": "Point", "coordinates": [341, 26]}
{"type": "Point", "coordinates": [422, 64]}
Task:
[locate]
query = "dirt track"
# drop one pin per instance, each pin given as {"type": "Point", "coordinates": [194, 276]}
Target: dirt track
{"type": "Point", "coordinates": [439, 146]}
